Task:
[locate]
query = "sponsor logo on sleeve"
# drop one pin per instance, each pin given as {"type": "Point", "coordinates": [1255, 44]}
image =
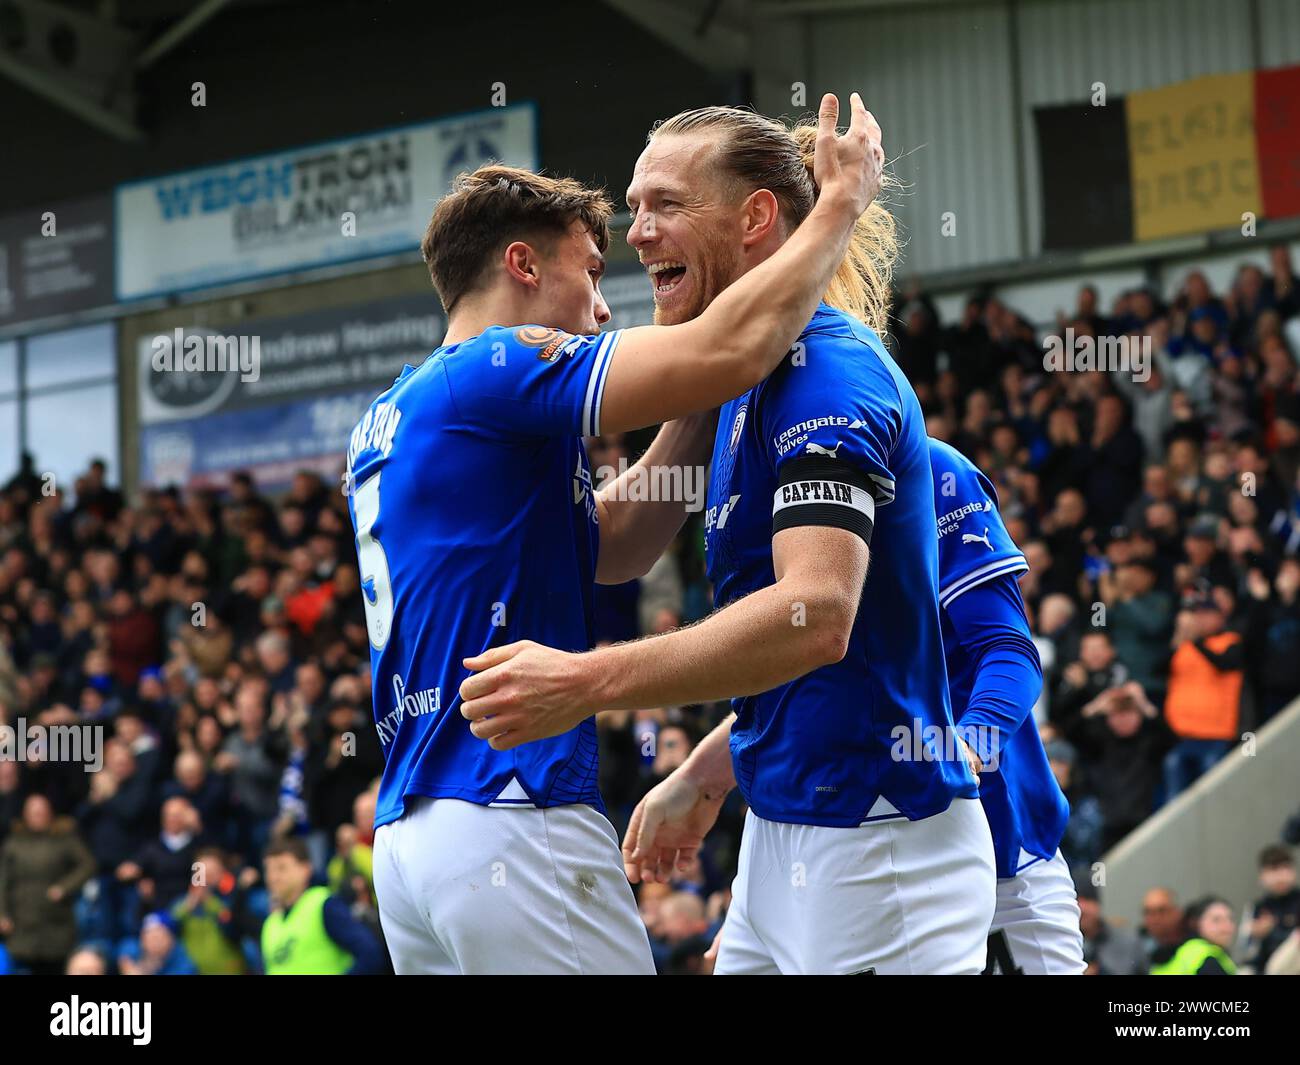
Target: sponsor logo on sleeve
{"type": "Point", "coordinates": [551, 341]}
{"type": "Point", "coordinates": [952, 520]}
{"type": "Point", "coordinates": [789, 439]}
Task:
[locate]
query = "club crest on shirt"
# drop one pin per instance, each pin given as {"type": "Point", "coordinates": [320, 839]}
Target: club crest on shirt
{"type": "Point", "coordinates": [736, 426]}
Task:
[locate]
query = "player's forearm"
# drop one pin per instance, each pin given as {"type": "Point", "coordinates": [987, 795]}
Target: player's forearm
{"type": "Point", "coordinates": [755, 644]}
{"type": "Point", "coordinates": [747, 330]}
{"type": "Point", "coordinates": [635, 529]}
{"type": "Point", "coordinates": [710, 765]}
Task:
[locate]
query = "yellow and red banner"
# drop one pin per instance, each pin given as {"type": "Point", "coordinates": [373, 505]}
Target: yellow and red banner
{"type": "Point", "coordinates": [1192, 156]}
{"type": "Point", "coordinates": [1277, 134]}
{"type": "Point", "coordinates": [1186, 158]}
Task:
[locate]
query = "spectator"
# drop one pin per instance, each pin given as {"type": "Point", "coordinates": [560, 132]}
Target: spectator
{"type": "Point", "coordinates": [114, 821]}
{"type": "Point", "coordinates": [1056, 635]}
{"type": "Point", "coordinates": [1114, 459]}
{"type": "Point", "coordinates": [1206, 564]}
{"type": "Point", "coordinates": [133, 636]}
{"type": "Point", "coordinates": [1205, 951]}
{"type": "Point", "coordinates": [310, 931]}
{"type": "Point", "coordinates": [1107, 950]}
{"type": "Point", "coordinates": [1152, 401]}
{"type": "Point", "coordinates": [1097, 670]}
{"type": "Point", "coordinates": [1082, 844]}
{"type": "Point", "coordinates": [1123, 737]}
{"type": "Point", "coordinates": [1273, 632]}
{"type": "Point", "coordinates": [163, 869]}
{"type": "Point", "coordinates": [1286, 959]}
{"type": "Point", "coordinates": [130, 728]}
{"type": "Point", "coordinates": [43, 865]}
{"type": "Point", "coordinates": [1163, 929]}
{"type": "Point", "coordinates": [156, 953]}
{"type": "Point", "coordinates": [276, 660]}
{"type": "Point", "coordinates": [253, 757]}
{"type": "Point", "coordinates": [1086, 312]}
{"type": "Point", "coordinates": [673, 746]}
{"type": "Point", "coordinates": [661, 597]}
{"type": "Point", "coordinates": [1140, 619]}
{"type": "Point", "coordinates": [86, 961]}
{"type": "Point", "coordinates": [1203, 707]}
{"type": "Point", "coordinates": [213, 918]}
{"type": "Point", "coordinates": [345, 757]}
{"type": "Point", "coordinates": [1067, 537]}
{"type": "Point", "coordinates": [682, 934]}
{"type": "Point", "coordinates": [208, 646]}
{"type": "Point", "coordinates": [204, 791]}
{"type": "Point", "coordinates": [1277, 912]}
{"type": "Point", "coordinates": [352, 869]}
{"type": "Point", "coordinates": [11, 798]}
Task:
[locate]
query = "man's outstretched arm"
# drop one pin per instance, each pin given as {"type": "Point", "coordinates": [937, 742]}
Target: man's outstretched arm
{"type": "Point", "coordinates": [524, 691]}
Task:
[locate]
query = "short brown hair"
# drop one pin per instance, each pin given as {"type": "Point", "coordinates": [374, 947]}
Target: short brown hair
{"type": "Point", "coordinates": [494, 205]}
{"type": "Point", "coordinates": [292, 846]}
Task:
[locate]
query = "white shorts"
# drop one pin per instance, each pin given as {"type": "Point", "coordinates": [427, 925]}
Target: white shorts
{"type": "Point", "coordinates": [464, 888]}
{"type": "Point", "coordinates": [890, 897]}
{"type": "Point", "coordinates": [1038, 917]}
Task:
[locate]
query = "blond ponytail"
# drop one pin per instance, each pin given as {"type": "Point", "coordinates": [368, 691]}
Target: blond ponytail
{"type": "Point", "coordinates": [861, 285]}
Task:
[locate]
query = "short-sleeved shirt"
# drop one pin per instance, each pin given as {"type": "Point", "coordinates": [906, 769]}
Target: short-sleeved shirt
{"type": "Point", "coordinates": [835, 437]}
{"type": "Point", "coordinates": [476, 526]}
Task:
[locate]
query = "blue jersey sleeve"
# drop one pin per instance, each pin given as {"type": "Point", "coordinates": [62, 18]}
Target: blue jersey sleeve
{"type": "Point", "coordinates": [531, 380]}
{"type": "Point", "coordinates": [830, 429]}
{"type": "Point", "coordinates": [974, 545]}
{"type": "Point", "coordinates": [990, 624]}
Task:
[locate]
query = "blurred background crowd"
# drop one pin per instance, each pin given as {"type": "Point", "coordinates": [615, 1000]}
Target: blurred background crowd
{"type": "Point", "coordinates": [219, 639]}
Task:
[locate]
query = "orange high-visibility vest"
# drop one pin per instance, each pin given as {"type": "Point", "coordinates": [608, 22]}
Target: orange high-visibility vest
{"type": "Point", "coordinates": [1204, 702]}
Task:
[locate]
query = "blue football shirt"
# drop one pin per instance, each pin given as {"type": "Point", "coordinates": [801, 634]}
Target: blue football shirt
{"type": "Point", "coordinates": [472, 502]}
{"type": "Point", "coordinates": [983, 621]}
{"type": "Point", "coordinates": [835, 436]}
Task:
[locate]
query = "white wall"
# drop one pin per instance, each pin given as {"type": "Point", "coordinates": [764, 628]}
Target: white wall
{"type": "Point", "coordinates": [1207, 841]}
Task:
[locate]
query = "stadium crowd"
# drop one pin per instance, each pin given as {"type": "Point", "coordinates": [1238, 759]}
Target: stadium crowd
{"type": "Point", "coordinates": [219, 640]}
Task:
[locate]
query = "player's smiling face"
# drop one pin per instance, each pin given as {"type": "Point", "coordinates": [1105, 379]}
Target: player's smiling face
{"type": "Point", "coordinates": [685, 227]}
